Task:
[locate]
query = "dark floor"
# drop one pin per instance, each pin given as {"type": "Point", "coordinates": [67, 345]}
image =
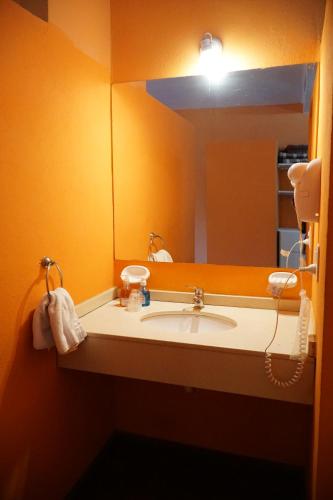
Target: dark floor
{"type": "Point", "coordinates": [133, 468]}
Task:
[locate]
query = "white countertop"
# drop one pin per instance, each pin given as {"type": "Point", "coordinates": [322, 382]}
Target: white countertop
{"type": "Point", "coordinates": [230, 360]}
{"type": "Point", "coordinates": [254, 330]}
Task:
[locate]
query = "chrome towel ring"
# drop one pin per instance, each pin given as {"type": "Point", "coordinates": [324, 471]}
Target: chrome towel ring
{"type": "Point", "coordinates": [152, 245]}
{"type": "Point", "coordinates": [152, 237]}
{"type": "Point", "coordinates": [47, 263]}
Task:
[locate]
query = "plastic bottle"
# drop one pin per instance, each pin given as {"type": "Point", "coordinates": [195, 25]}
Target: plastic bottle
{"type": "Point", "coordinates": [134, 301]}
{"type": "Point", "coordinates": [124, 292]}
{"type": "Point", "coordinates": [145, 292]}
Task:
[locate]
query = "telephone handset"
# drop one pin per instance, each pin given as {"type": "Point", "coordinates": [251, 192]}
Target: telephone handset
{"type": "Point", "coordinates": [305, 179]}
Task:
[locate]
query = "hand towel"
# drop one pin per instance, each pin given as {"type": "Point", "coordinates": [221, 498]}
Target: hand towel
{"type": "Point", "coordinates": [160, 256]}
{"type": "Point", "coordinates": [55, 322]}
{"type": "Point", "coordinates": [42, 335]}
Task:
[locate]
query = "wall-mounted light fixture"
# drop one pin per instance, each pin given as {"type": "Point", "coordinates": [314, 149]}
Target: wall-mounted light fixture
{"type": "Point", "coordinates": [211, 61]}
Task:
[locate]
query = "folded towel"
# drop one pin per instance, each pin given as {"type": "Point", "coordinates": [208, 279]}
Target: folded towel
{"type": "Point", "coordinates": [55, 322]}
{"type": "Point", "coordinates": [160, 256]}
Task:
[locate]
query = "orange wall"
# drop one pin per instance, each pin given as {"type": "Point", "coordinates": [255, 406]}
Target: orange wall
{"type": "Point", "coordinates": [250, 123]}
{"type": "Point", "coordinates": [160, 39]}
{"type": "Point", "coordinates": [323, 291]}
{"type": "Point", "coordinates": [55, 186]}
{"type": "Point", "coordinates": [154, 155]}
{"type": "Point", "coordinates": [229, 280]}
{"type": "Point", "coordinates": [248, 162]}
{"type": "Point", "coordinates": [241, 203]}
{"type": "Point", "coordinates": [160, 141]}
{"type": "Point", "coordinates": [86, 24]}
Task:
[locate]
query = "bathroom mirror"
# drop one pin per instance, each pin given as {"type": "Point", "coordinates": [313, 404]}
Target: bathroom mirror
{"type": "Point", "coordinates": [199, 165]}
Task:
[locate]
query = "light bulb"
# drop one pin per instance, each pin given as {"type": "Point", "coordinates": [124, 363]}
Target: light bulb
{"type": "Point", "coordinates": [211, 61]}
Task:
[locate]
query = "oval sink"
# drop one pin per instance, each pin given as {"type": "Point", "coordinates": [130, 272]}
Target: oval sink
{"type": "Point", "coordinates": [189, 322]}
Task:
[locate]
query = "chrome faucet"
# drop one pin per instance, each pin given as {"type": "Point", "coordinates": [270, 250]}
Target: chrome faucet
{"type": "Point", "coordinates": [198, 299]}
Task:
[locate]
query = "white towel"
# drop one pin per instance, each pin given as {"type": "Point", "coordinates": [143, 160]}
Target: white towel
{"type": "Point", "coordinates": [56, 323]}
{"type": "Point", "coordinates": [160, 256]}
{"type": "Point", "coordinates": [42, 335]}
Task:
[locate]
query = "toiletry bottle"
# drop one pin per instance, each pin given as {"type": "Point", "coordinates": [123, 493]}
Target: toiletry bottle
{"type": "Point", "coordinates": [134, 301]}
{"type": "Point", "coordinates": [145, 292]}
{"type": "Point", "coordinates": [124, 292]}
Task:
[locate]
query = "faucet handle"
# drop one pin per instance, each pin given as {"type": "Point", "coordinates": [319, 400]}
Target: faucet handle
{"type": "Point", "coordinates": [198, 290]}
{"type": "Point", "coordinates": [198, 297]}
{"type": "Point", "coordinates": [194, 287]}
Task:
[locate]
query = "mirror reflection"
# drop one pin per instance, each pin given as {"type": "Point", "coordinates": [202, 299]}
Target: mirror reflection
{"type": "Point", "coordinates": [200, 170]}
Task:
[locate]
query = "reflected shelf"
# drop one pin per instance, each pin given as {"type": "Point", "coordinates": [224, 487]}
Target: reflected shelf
{"type": "Point", "coordinates": [285, 193]}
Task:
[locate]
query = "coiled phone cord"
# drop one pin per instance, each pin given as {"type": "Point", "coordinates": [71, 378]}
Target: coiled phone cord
{"type": "Point", "coordinates": [297, 375]}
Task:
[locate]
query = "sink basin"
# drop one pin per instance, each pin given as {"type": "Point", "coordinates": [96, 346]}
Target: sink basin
{"type": "Point", "coordinates": [189, 322]}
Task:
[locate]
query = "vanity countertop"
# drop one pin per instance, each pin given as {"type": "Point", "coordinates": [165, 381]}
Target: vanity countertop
{"type": "Point", "coordinates": [231, 360]}
{"type": "Point", "coordinates": [254, 330]}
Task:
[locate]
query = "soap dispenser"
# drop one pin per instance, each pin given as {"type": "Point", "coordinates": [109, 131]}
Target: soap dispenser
{"type": "Point", "coordinates": [145, 292]}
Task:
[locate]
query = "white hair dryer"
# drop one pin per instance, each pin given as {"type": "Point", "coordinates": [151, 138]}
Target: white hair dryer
{"type": "Point", "coordinates": [305, 179]}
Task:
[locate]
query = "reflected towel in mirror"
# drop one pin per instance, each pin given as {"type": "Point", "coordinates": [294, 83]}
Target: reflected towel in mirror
{"type": "Point", "coordinates": [160, 256]}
